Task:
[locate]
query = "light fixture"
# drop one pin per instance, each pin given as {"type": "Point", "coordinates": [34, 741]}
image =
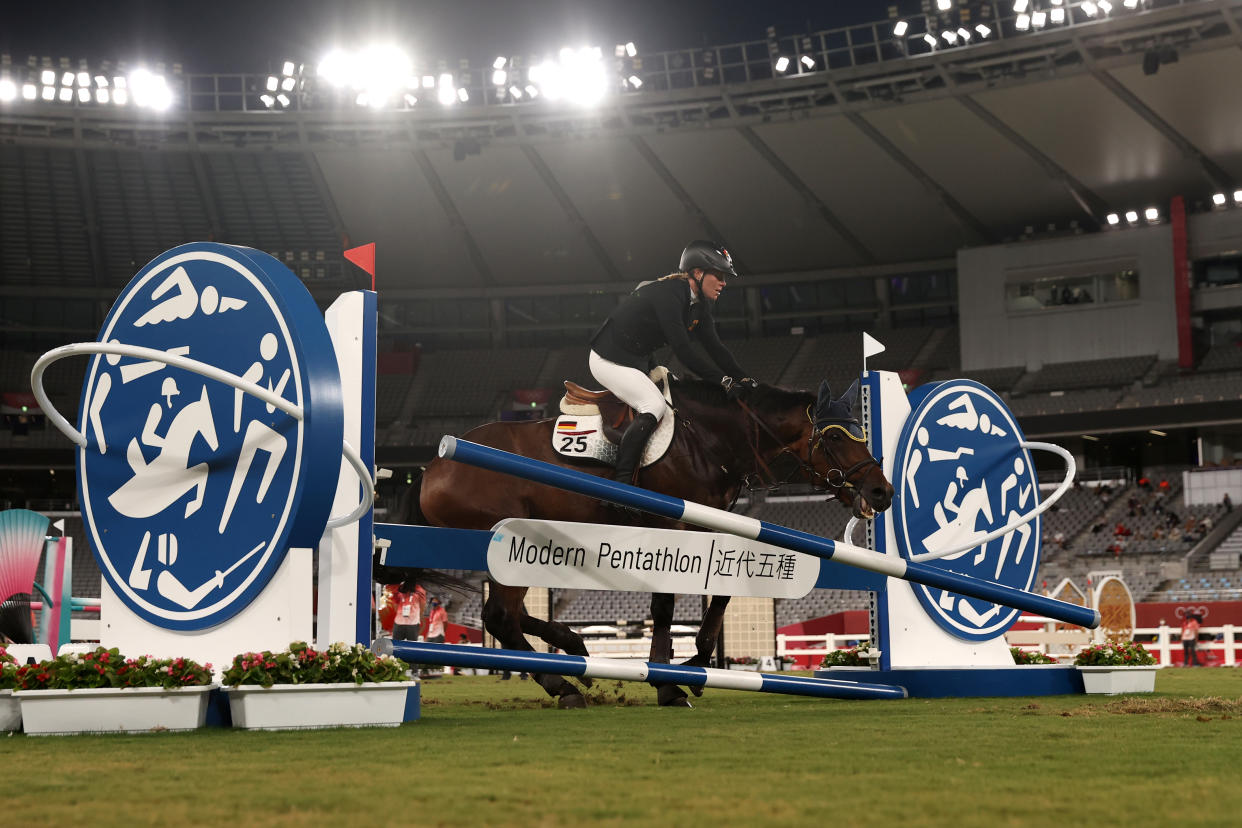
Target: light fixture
{"type": "Point", "coordinates": [964, 34]}
{"type": "Point", "coordinates": [48, 78]}
{"type": "Point", "coordinates": [1237, 196]}
{"type": "Point", "coordinates": [1131, 216]}
{"type": "Point", "coordinates": [66, 79]}
{"type": "Point", "coordinates": [1038, 19]}
{"type": "Point", "coordinates": [48, 93]}
{"type": "Point", "coordinates": [1157, 432]}
{"type": "Point", "coordinates": [499, 63]}
{"type": "Point", "coordinates": [267, 100]}
{"type": "Point", "coordinates": [463, 95]}
{"type": "Point", "coordinates": [272, 83]}
{"type": "Point", "coordinates": [944, 5]}
{"type": "Point", "coordinates": [807, 61]}
{"type": "Point", "coordinates": [120, 96]}
{"type": "Point", "coordinates": [282, 99]}
{"type": "Point", "coordinates": [1020, 6]}
{"type": "Point", "coordinates": [516, 92]}
{"type": "Point", "coordinates": [984, 31]}
{"type": "Point", "coordinates": [1022, 23]}
{"type": "Point", "coordinates": [499, 77]}
{"type": "Point", "coordinates": [1152, 214]}
{"type": "Point", "coordinates": [410, 100]}
{"type": "Point", "coordinates": [636, 81]}
{"type": "Point", "coordinates": [1219, 199]}
{"type": "Point", "coordinates": [1130, 4]}
{"type": "Point", "coordinates": [65, 95]}
{"type": "Point", "coordinates": [899, 30]}
{"type": "Point", "coordinates": [1089, 8]}
{"type": "Point", "coordinates": [630, 49]}
{"type": "Point", "coordinates": [1113, 219]}
{"type": "Point", "coordinates": [101, 81]}
{"type": "Point", "coordinates": [429, 82]}
{"type": "Point", "coordinates": [84, 94]}
{"type": "Point", "coordinates": [288, 69]}
{"type": "Point", "coordinates": [102, 96]}
{"type": "Point", "coordinates": [1105, 6]}
{"type": "Point", "coordinates": [930, 40]}
{"type": "Point", "coordinates": [1090, 437]}
{"type": "Point", "coordinates": [29, 92]}
{"type": "Point", "coordinates": [532, 91]}
{"type": "Point", "coordinates": [8, 90]}
{"type": "Point", "coordinates": [950, 36]}
{"type": "Point", "coordinates": [445, 92]}
{"type": "Point", "coordinates": [1057, 16]}
{"type": "Point", "coordinates": [782, 63]}
{"type": "Point", "coordinates": [84, 78]}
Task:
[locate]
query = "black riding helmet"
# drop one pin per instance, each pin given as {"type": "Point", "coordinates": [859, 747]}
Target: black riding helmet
{"type": "Point", "coordinates": [706, 255]}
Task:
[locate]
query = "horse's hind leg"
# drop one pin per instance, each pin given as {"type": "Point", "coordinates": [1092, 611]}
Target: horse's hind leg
{"type": "Point", "coordinates": [558, 635]}
{"type": "Point", "coordinates": [662, 603]}
{"type": "Point", "coordinates": [502, 616]}
{"type": "Point", "coordinates": [709, 634]}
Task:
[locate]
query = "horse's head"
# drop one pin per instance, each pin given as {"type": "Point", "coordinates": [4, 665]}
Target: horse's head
{"type": "Point", "coordinates": [839, 452]}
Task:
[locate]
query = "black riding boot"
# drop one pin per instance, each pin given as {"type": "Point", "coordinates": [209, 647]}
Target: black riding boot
{"type": "Point", "coordinates": [630, 452]}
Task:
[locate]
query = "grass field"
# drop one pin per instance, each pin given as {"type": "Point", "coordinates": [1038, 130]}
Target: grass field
{"type": "Point", "coordinates": [489, 752]}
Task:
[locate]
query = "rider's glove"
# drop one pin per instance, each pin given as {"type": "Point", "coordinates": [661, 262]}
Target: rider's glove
{"type": "Point", "coordinates": [735, 388]}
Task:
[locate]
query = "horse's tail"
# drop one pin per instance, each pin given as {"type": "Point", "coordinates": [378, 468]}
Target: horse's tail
{"type": "Point", "coordinates": [410, 512]}
{"type": "Point", "coordinates": [409, 508]}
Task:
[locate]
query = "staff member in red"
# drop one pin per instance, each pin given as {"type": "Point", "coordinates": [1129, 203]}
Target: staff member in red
{"type": "Point", "coordinates": [410, 599]}
{"type": "Point", "coordinates": [436, 619]}
{"type": "Point", "coordinates": [669, 310]}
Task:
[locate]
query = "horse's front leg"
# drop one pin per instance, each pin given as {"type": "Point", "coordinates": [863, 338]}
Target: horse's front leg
{"type": "Point", "coordinates": [558, 635]}
{"type": "Point", "coordinates": [709, 634]}
{"type": "Point", "coordinates": [502, 616]}
{"type": "Point", "coordinates": [668, 695]}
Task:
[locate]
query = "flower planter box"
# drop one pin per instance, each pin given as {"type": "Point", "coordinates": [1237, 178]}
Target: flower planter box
{"type": "Point", "coordinates": [10, 711]}
{"type": "Point", "coordinates": [754, 668]}
{"type": "Point", "coordinates": [295, 706]}
{"type": "Point", "coordinates": [113, 710]}
{"type": "Point", "coordinates": [1114, 680]}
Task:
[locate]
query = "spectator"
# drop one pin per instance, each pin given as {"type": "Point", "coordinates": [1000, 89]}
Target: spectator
{"type": "Point", "coordinates": [436, 619]}
{"type": "Point", "coordinates": [411, 598]}
{"type": "Point", "coordinates": [1227, 502]}
{"type": "Point", "coordinates": [1190, 639]}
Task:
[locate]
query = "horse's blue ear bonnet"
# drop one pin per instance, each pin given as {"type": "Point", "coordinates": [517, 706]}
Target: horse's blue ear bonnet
{"type": "Point", "coordinates": [838, 413]}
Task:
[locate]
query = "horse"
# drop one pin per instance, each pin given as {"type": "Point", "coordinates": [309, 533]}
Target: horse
{"type": "Point", "coordinates": [770, 437]}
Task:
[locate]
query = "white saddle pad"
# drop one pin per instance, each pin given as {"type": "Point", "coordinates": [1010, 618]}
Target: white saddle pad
{"type": "Point", "coordinates": [579, 430]}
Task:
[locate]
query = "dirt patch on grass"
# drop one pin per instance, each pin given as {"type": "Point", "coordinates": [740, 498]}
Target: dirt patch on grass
{"type": "Point", "coordinates": [1207, 704]}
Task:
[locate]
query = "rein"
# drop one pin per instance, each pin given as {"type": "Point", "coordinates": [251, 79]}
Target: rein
{"type": "Point", "coordinates": [835, 479]}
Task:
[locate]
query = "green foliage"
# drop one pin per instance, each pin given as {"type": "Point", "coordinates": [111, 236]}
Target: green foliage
{"type": "Point", "coordinates": [104, 668]}
{"type": "Point", "coordinates": [303, 664]}
{"type": "Point", "coordinates": [1021, 656]}
{"type": "Point", "coordinates": [852, 657]}
{"type": "Point", "coordinates": [5, 658]}
{"type": "Point", "coordinates": [1115, 654]}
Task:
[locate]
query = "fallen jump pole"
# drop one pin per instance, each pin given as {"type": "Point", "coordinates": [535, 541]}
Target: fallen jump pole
{"type": "Point", "coordinates": [697, 514]}
{"type": "Point", "coordinates": [456, 655]}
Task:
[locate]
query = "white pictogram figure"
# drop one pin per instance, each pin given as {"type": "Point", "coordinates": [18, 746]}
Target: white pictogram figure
{"type": "Point", "coordinates": [103, 387]}
{"type": "Point", "coordinates": [259, 436]}
{"type": "Point", "coordinates": [959, 530]}
{"type": "Point", "coordinates": [169, 585]}
{"type": "Point", "coordinates": [968, 419]}
{"type": "Point", "coordinates": [1024, 494]}
{"type": "Point", "coordinates": [184, 303]}
{"type": "Point", "coordinates": [158, 484]}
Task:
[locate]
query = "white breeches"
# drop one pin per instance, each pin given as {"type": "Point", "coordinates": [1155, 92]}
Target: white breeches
{"type": "Point", "coordinates": [631, 386]}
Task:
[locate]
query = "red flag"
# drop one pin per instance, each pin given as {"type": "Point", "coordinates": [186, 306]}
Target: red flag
{"type": "Point", "coordinates": [364, 257]}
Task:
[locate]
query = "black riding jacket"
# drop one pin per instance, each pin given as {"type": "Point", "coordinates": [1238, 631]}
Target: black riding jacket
{"type": "Point", "coordinates": [661, 312]}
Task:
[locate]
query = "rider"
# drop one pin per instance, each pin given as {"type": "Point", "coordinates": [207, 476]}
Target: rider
{"type": "Point", "coordinates": [668, 310]}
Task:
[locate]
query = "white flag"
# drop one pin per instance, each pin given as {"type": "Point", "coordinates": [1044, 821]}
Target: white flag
{"type": "Point", "coordinates": [871, 345]}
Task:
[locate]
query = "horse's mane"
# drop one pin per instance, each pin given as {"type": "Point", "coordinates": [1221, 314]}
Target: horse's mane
{"type": "Point", "coordinates": [764, 399]}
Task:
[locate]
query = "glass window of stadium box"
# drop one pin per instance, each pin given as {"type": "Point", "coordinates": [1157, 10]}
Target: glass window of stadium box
{"type": "Point", "coordinates": [1079, 285]}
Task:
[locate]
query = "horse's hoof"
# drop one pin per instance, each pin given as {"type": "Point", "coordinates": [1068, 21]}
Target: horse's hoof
{"type": "Point", "coordinates": [696, 690]}
{"type": "Point", "coordinates": [680, 701]}
{"type": "Point", "coordinates": [672, 696]}
{"type": "Point", "coordinates": [574, 701]}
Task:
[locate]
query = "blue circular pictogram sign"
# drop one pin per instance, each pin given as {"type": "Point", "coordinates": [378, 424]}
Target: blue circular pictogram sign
{"type": "Point", "coordinates": [192, 490]}
{"type": "Point", "coordinates": [961, 472]}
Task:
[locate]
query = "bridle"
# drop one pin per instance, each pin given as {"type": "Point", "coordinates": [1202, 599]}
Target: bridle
{"type": "Point", "coordinates": [833, 481]}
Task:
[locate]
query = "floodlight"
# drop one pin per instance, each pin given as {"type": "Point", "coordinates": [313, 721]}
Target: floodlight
{"type": "Point", "coordinates": [120, 82]}
{"type": "Point", "coordinates": [410, 100]}
{"type": "Point", "coordinates": [288, 68]}
{"type": "Point", "coordinates": [499, 63]}
{"type": "Point", "coordinates": [84, 78]}
{"type": "Point", "coordinates": [102, 96]}
{"type": "Point", "coordinates": [1113, 219]}
{"type": "Point", "coordinates": [287, 84]}
{"type": "Point", "coordinates": [282, 99]}
{"type": "Point", "coordinates": [150, 90]}
{"type": "Point", "coordinates": [272, 83]}
{"type": "Point", "coordinates": [808, 61]}
{"type": "Point", "coordinates": [782, 63]}
{"type": "Point", "coordinates": [1022, 23]}
{"type": "Point", "coordinates": [630, 49]}
{"type": "Point", "coordinates": [1057, 16]}
{"type": "Point", "coordinates": [636, 81]}
{"type": "Point", "coordinates": [1056, 2]}
{"type": "Point", "coordinates": [900, 29]}
{"type": "Point", "coordinates": [1020, 6]}
{"type": "Point", "coordinates": [1039, 18]}
{"type": "Point", "coordinates": [429, 82]}
{"type": "Point", "coordinates": [1131, 216]}
{"type": "Point", "coordinates": [48, 77]}
{"type": "Point", "coordinates": [268, 100]}
{"type": "Point", "coordinates": [66, 79]}
{"type": "Point", "coordinates": [65, 95]}
{"type": "Point", "coordinates": [84, 94]}
{"type": "Point", "coordinates": [446, 94]}
{"type": "Point", "coordinates": [515, 92]}
{"type": "Point", "coordinates": [1152, 214]}
{"type": "Point", "coordinates": [949, 36]}
{"type": "Point", "coordinates": [361, 99]}
{"type": "Point", "coordinates": [463, 95]}
{"type": "Point", "coordinates": [500, 77]}
{"type": "Point", "coordinates": [336, 67]}
{"type": "Point", "coordinates": [1219, 199]}
{"type": "Point", "coordinates": [944, 5]}
{"type": "Point", "coordinates": [930, 40]}
{"type": "Point", "coordinates": [1130, 4]}
{"type": "Point", "coordinates": [8, 90]}
{"type": "Point", "coordinates": [120, 96]}
{"type": "Point", "coordinates": [1089, 9]}
{"type": "Point", "coordinates": [48, 93]}
{"type": "Point", "coordinates": [1105, 6]}
{"type": "Point", "coordinates": [29, 93]}
{"type": "Point", "coordinates": [101, 81]}
{"type": "Point", "coordinates": [984, 31]}
{"type": "Point", "coordinates": [1237, 196]}
{"type": "Point", "coordinates": [532, 91]}
{"type": "Point", "coordinates": [964, 34]}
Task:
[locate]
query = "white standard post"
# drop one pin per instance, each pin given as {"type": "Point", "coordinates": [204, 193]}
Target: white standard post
{"type": "Point", "coordinates": [1163, 640]}
{"type": "Point", "coordinates": [1230, 659]}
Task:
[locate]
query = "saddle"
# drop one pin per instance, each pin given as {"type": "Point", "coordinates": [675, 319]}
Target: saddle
{"type": "Point", "coordinates": [591, 423]}
{"type": "Point", "coordinates": [615, 414]}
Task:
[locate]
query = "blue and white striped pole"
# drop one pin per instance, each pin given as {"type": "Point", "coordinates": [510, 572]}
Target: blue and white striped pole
{"type": "Point", "coordinates": [697, 514]}
{"type": "Point", "coordinates": [456, 655]}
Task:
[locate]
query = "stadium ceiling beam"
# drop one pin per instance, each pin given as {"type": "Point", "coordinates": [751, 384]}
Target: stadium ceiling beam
{"type": "Point", "coordinates": [571, 211]}
{"type": "Point", "coordinates": [1091, 204]}
{"type": "Point", "coordinates": [808, 195]}
{"type": "Point", "coordinates": [963, 216]}
{"type": "Point", "coordinates": [1212, 171]}
{"type": "Point", "coordinates": [454, 216]}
